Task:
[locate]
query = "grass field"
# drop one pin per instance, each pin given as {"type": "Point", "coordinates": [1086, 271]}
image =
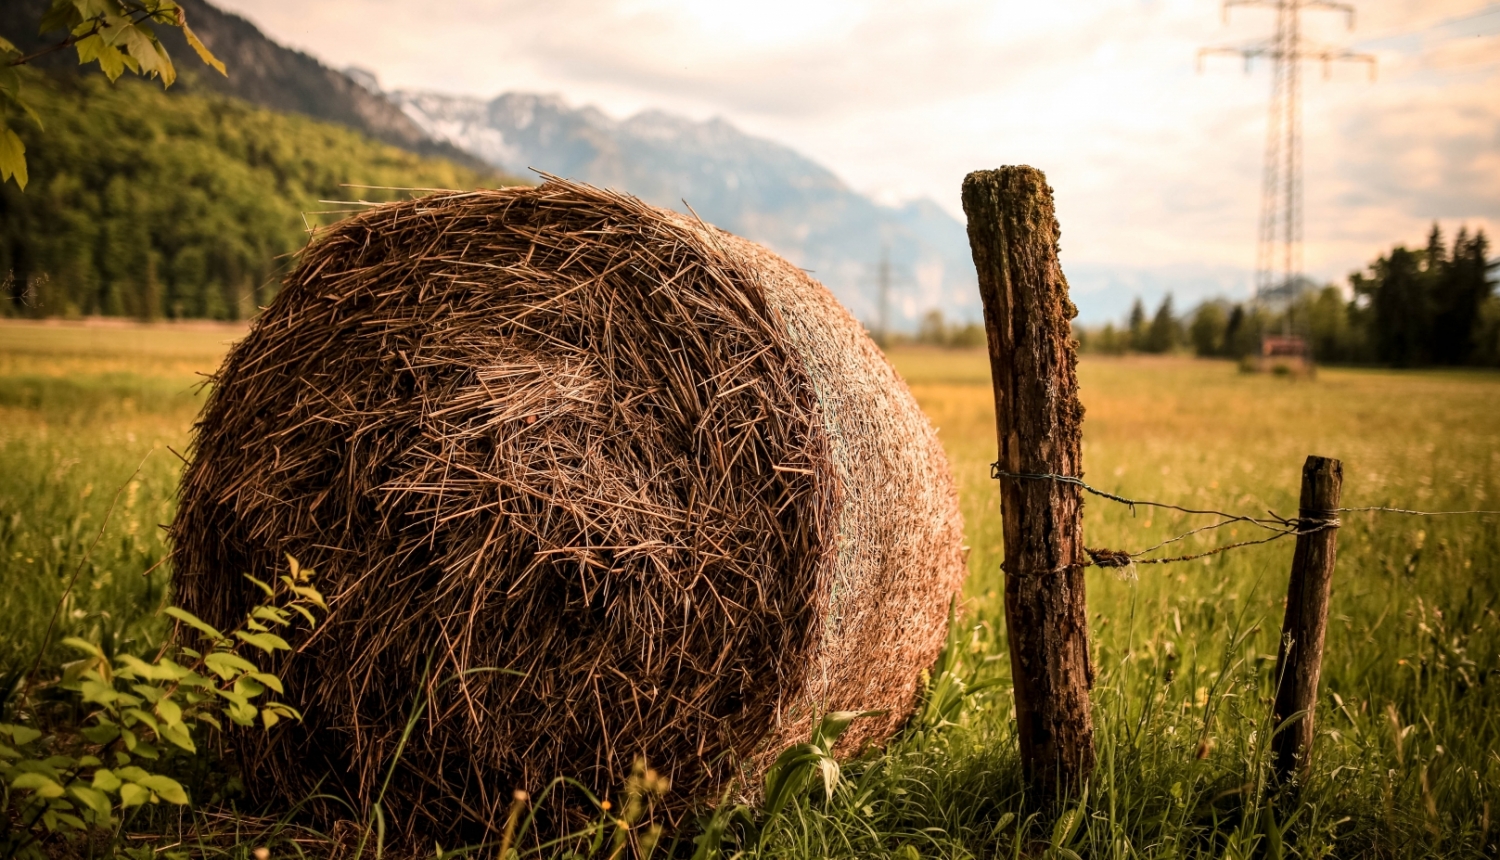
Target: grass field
{"type": "Point", "coordinates": [1408, 757]}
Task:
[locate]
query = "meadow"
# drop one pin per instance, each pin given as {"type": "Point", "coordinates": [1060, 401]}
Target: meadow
{"type": "Point", "coordinates": [1408, 754]}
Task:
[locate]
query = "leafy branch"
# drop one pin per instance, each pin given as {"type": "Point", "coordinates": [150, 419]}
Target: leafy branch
{"type": "Point", "coordinates": [116, 34]}
{"type": "Point", "coordinates": [141, 715]}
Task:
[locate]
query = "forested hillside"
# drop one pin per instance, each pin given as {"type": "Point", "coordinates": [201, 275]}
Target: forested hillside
{"type": "Point", "coordinates": [152, 205]}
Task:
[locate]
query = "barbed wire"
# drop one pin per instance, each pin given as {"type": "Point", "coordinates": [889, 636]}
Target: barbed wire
{"type": "Point", "coordinates": [1383, 509]}
{"type": "Point", "coordinates": [1279, 526]}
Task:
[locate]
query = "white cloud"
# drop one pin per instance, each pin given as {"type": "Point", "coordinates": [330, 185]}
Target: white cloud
{"type": "Point", "coordinates": [1155, 166]}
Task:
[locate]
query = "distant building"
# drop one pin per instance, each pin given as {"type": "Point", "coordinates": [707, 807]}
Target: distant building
{"type": "Point", "coordinates": [1284, 353]}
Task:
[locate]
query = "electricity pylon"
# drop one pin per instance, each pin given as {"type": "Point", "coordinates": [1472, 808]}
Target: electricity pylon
{"type": "Point", "coordinates": [1278, 251]}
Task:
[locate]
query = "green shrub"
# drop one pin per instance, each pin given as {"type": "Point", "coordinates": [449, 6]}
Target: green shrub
{"type": "Point", "coordinates": [65, 777]}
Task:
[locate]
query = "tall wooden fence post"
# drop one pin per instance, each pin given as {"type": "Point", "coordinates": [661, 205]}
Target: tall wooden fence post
{"type": "Point", "coordinates": [1299, 659]}
{"type": "Point", "coordinates": [1013, 234]}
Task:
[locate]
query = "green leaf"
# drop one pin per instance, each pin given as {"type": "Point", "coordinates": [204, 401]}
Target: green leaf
{"type": "Point", "coordinates": [194, 622]}
{"type": "Point", "coordinates": [267, 642]}
{"type": "Point", "coordinates": [61, 15]}
{"type": "Point", "coordinates": [91, 12]}
{"type": "Point", "coordinates": [266, 678]}
{"type": "Point", "coordinates": [834, 723]}
{"type": "Point", "coordinates": [243, 714]}
{"type": "Point", "coordinates": [312, 594]}
{"type": "Point", "coordinates": [105, 780]}
{"type": "Point", "coordinates": [788, 775]}
{"type": "Point", "coordinates": [35, 117]}
{"type": "Point", "coordinates": [272, 614]}
{"type": "Point", "coordinates": [136, 716]}
{"type": "Point", "coordinates": [164, 12]}
{"type": "Point", "coordinates": [133, 795]}
{"type": "Point", "coordinates": [165, 670]}
{"type": "Point", "coordinates": [1066, 826]}
{"type": "Point", "coordinates": [169, 711]}
{"type": "Point", "coordinates": [210, 719]}
{"type": "Point", "coordinates": [10, 82]}
{"type": "Point", "coordinates": [73, 672]}
{"type": "Point", "coordinates": [194, 679]}
{"type": "Point", "coordinates": [36, 782]}
{"type": "Point", "coordinates": [100, 693]}
{"type": "Point", "coordinates": [12, 158]}
{"type": "Point", "coordinates": [270, 717]}
{"type": "Point", "coordinates": [226, 665]}
{"type": "Point", "coordinates": [111, 62]}
{"type": "Point", "coordinates": [94, 799]}
{"type": "Point", "coordinates": [24, 734]}
{"type": "Point", "coordinates": [179, 736]}
{"type": "Point", "coordinates": [232, 697]}
{"type": "Point", "coordinates": [248, 688]}
{"type": "Point", "coordinates": [263, 587]}
{"type": "Point", "coordinates": [105, 732]}
{"type": "Point", "coordinates": [830, 771]}
{"type": "Point", "coordinates": [1004, 822]}
{"type": "Point", "coordinates": [166, 788]}
{"type": "Point", "coordinates": [285, 710]}
{"type": "Point", "coordinates": [55, 816]}
{"type": "Point", "coordinates": [84, 645]}
{"type": "Point", "coordinates": [6, 47]}
{"type": "Point", "coordinates": [311, 621]}
{"type": "Point", "coordinates": [165, 68]}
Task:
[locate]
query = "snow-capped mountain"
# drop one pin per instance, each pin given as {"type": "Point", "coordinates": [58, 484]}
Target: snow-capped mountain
{"type": "Point", "coordinates": [747, 185]}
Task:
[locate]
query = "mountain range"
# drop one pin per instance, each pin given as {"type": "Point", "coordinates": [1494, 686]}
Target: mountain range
{"type": "Point", "coordinates": [748, 185]}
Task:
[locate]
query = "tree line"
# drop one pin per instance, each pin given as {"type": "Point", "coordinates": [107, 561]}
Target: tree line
{"type": "Point", "coordinates": [150, 205]}
{"type": "Point", "coordinates": [1411, 307]}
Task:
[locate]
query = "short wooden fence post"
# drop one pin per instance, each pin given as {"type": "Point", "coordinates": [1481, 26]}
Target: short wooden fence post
{"type": "Point", "coordinates": [1013, 234]}
{"type": "Point", "coordinates": [1299, 658]}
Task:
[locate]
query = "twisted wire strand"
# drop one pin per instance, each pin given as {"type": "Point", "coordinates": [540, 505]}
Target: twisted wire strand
{"type": "Point", "coordinates": [1278, 525]}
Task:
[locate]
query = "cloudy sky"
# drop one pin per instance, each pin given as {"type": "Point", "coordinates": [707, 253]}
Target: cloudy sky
{"type": "Point", "coordinates": [1156, 165]}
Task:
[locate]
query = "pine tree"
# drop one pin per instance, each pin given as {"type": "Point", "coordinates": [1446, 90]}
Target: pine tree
{"type": "Point", "coordinates": [1235, 333]}
{"type": "Point", "coordinates": [1137, 325]}
{"type": "Point", "coordinates": [1162, 335]}
{"type": "Point", "coordinates": [1402, 312]}
{"type": "Point", "coordinates": [1460, 286]}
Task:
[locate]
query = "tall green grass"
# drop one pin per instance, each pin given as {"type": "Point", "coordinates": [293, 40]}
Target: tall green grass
{"type": "Point", "coordinates": [87, 421]}
{"type": "Point", "coordinates": [1407, 762]}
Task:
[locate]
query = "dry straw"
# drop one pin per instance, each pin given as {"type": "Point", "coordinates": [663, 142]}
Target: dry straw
{"type": "Point", "coordinates": [653, 470]}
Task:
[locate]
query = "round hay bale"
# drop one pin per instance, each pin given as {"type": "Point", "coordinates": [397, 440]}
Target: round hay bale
{"type": "Point", "coordinates": [654, 470]}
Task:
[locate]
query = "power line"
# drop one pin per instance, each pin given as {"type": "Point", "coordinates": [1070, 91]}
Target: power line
{"type": "Point", "coordinates": [1406, 32]}
{"type": "Point", "coordinates": [1278, 252]}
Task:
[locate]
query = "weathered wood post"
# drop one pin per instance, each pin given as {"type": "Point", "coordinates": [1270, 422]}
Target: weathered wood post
{"type": "Point", "coordinates": [1013, 234]}
{"type": "Point", "coordinates": [1299, 658]}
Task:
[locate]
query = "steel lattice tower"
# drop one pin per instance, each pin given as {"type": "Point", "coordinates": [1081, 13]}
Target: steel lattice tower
{"type": "Point", "coordinates": [1278, 251]}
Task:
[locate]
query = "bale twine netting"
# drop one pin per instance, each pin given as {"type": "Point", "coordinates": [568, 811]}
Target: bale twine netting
{"type": "Point", "coordinates": [653, 470]}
